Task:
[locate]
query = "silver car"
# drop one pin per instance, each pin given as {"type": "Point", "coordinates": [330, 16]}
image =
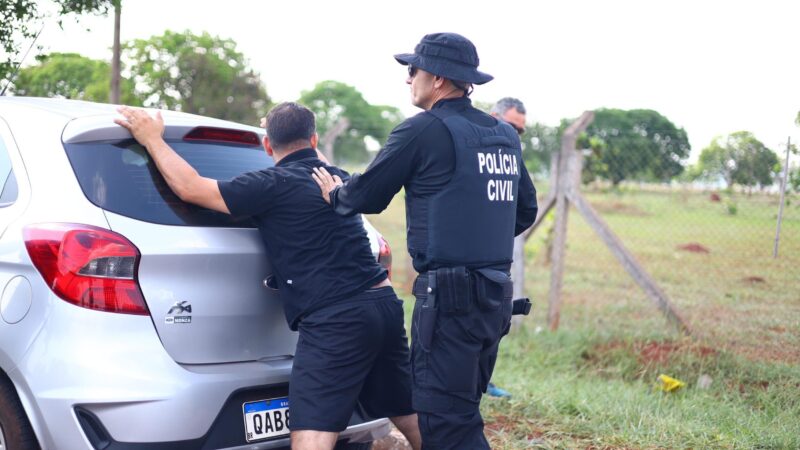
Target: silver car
{"type": "Point", "coordinates": [130, 319]}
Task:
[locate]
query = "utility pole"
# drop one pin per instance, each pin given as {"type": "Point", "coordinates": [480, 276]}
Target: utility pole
{"type": "Point", "coordinates": [783, 194]}
{"type": "Point", "coordinates": [114, 98]}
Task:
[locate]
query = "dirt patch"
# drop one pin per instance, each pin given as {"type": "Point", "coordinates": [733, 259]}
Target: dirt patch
{"type": "Point", "coordinates": [648, 353]}
{"type": "Point", "coordinates": [620, 208]}
{"type": "Point", "coordinates": [501, 422]}
{"type": "Point", "coordinates": [770, 353]}
{"type": "Point", "coordinates": [754, 280]}
{"type": "Point", "coordinates": [715, 197]}
{"type": "Point", "coordinates": [661, 352]}
{"type": "Point", "coordinates": [750, 386]}
{"type": "Point", "coordinates": [656, 352]}
{"type": "Point", "coordinates": [694, 247]}
{"type": "Point", "coordinates": [606, 447]}
{"type": "Point", "coordinates": [598, 352]}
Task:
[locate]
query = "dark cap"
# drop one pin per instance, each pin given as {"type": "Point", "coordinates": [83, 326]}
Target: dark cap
{"type": "Point", "coordinates": [448, 55]}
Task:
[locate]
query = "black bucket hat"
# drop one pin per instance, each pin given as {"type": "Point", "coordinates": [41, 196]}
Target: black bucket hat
{"type": "Point", "coordinates": [448, 55]}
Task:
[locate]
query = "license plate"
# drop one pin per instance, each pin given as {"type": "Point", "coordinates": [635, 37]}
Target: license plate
{"type": "Point", "coordinates": [266, 419]}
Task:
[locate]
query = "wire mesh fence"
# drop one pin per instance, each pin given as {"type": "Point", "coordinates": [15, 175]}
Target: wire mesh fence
{"type": "Point", "coordinates": [708, 245]}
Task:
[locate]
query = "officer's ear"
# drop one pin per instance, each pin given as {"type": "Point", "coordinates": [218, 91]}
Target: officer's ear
{"type": "Point", "coordinates": [314, 140]}
{"type": "Point", "coordinates": [438, 82]}
{"type": "Point", "coordinates": [267, 146]}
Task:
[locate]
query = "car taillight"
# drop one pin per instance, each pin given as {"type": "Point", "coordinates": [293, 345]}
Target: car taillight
{"type": "Point", "coordinates": [385, 255]}
{"type": "Point", "coordinates": [87, 266]}
{"type": "Point", "coordinates": [222, 135]}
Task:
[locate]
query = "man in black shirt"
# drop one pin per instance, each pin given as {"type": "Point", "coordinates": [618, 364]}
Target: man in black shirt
{"type": "Point", "coordinates": [352, 344]}
{"type": "Point", "coordinates": [467, 195]}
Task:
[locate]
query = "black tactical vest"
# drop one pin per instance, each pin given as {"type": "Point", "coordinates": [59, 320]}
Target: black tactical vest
{"type": "Point", "coordinates": [470, 222]}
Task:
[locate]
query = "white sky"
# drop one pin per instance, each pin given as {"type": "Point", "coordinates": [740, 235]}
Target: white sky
{"type": "Point", "coordinates": [712, 67]}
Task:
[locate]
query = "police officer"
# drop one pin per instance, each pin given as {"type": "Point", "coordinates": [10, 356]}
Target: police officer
{"type": "Point", "coordinates": [352, 341]}
{"type": "Point", "coordinates": [467, 195]}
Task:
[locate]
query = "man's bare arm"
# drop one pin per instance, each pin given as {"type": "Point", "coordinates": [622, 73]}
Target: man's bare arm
{"type": "Point", "coordinates": [181, 177]}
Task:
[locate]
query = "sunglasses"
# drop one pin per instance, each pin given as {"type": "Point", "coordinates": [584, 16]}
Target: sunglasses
{"type": "Point", "coordinates": [411, 71]}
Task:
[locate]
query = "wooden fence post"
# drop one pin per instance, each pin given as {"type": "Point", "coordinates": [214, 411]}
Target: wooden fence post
{"type": "Point", "coordinates": [568, 164]}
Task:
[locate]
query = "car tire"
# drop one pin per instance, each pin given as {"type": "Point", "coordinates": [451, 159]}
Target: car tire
{"type": "Point", "coordinates": [16, 432]}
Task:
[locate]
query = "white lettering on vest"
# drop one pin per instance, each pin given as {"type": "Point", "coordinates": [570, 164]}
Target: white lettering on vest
{"type": "Point", "coordinates": [500, 190]}
{"type": "Point", "coordinates": [498, 163]}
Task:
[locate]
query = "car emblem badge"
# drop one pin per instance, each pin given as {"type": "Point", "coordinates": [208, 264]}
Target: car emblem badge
{"type": "Point", "coordinates": [177, 313]}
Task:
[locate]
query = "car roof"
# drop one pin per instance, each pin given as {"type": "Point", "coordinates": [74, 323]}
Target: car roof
{"type": "Point", "coordinates": [63, 106]}
{"type": "Point", "coordinates": [83, 121]}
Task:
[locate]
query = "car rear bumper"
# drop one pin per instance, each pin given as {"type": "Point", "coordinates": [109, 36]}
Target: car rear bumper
{"type": "Point", "coordinates": [115, 373]}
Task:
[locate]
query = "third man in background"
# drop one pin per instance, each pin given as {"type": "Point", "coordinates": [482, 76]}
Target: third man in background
{"type": "Point", "coordinates": [512, 111]}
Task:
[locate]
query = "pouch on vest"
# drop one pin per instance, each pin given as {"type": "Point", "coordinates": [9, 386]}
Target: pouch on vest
{"type": "Point", "coordinates": [493, 287]}
{"type": "Point", "coordinates": [454, 290]}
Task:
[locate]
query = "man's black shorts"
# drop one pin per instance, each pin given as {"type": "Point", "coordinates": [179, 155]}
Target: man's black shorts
{"type": "Point", "coordinates": [349, 352]}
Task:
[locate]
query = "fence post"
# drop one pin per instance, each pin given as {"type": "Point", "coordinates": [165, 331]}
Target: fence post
{"type": "Point", "coordinates": [568, 163]}
{"type": "Point", "coordinates": [783, 193]}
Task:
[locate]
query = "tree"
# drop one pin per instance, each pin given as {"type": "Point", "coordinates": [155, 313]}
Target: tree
{"type": "Point", "coordinates": [794, 180]}
{"type": "Point", "coordinates": [21, 20]}
{"type": "Point", "coordinates": [70, 75]}
{"type": "Point", "coordinates": [333, 101]}
{"type": "Point", "coordinates": [200, 74]}
{"type": "Point", "coordinates": [739, 158]}
{"type": "Point", "coordinates": [636, 144]}
{"type": "Point", "coordinates": [539, 143]}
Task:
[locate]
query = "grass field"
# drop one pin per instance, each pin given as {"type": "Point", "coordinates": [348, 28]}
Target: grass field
{"type": "Point", "coordinates": [592, 384]}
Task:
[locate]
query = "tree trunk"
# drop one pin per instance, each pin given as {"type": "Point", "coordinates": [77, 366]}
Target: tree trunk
{"type": "Point", "coordinates": [115, 66]}
{"type": "Point", "coordinates": [329, 138]}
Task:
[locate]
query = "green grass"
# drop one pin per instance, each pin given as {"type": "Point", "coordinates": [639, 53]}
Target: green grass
{"type": "Point", "coordinates": [592, 383]}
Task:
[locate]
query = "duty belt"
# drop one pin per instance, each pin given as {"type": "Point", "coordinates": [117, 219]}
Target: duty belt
{"type": "Point", "coordinates": [425, 285]}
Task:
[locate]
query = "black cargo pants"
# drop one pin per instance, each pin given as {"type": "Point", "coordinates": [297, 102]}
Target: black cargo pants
{"type": "Point", "coordinates": [453, 353]}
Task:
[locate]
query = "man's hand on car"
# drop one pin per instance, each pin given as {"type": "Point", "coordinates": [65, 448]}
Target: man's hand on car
{"type": "Point", "coordinates": [326, 182]}
{"type": "Point", "coordinates": [144, 128]}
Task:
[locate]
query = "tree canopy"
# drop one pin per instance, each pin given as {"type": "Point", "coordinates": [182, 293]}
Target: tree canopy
{"type": "Point", "coordinates": [334, 100]}
{"type": "Point", "coordinates": [635, 144]}
{"type": "Point", "coordinates": [739, 158]}
{"type": "Point", "coordinates": [200, 74]}
{"type": "Point", "coordinates": [21, 20]}
{"type": "Point", "coordinates": [70, 75]}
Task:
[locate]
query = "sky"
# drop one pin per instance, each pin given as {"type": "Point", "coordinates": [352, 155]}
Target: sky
{"type": "Point", "coordinates": [711, 67]}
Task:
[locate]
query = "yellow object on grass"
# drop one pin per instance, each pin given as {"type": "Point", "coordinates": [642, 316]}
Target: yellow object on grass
{"type": "Point", "coordinates": [669, 384]}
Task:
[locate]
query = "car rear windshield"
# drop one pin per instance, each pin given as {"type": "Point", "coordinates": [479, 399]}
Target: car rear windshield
{"type": "Point", "coordinates": [122, 178]}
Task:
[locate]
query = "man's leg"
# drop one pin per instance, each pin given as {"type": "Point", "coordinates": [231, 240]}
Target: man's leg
{"type": "Point", "coordinates": [313, 440]}
{"type": "Point", "coordinates": [451, 373]}
{"type": "Point", "coordinates": [336, 347]}
{"type": "Point", "coordinates": [409, 426]}
{"type": "Point", "coordinates": [387, 388]}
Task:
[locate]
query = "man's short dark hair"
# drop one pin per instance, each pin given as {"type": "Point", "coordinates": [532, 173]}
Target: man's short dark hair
{"type": "Point", "coordinates": [288, 123]}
